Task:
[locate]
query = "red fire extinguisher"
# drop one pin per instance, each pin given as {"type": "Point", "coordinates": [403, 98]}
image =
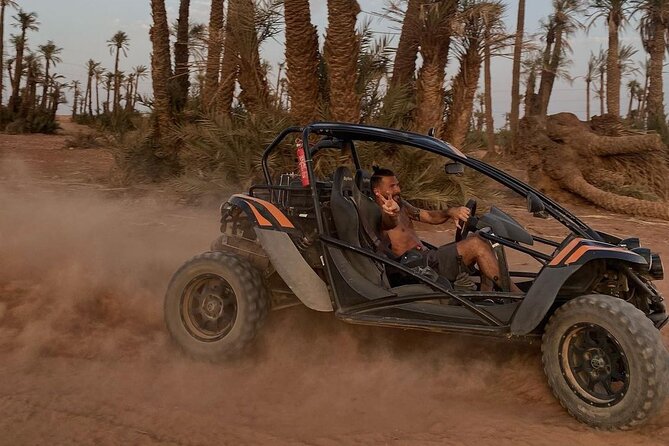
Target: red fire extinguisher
{"type": "Point", "coordinates": [302, 162]}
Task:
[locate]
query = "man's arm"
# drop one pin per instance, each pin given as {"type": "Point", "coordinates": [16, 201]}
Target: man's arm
{"type": "Point", "coordinates": [436, 217]}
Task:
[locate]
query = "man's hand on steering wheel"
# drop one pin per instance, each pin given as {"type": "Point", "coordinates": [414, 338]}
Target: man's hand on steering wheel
{"type": "Point", "coordinates": [460, 215]}
{"type": "Point", "coordinates": [468, 224]}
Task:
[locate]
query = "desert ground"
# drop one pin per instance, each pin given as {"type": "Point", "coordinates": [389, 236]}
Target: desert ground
{"type": "Point", "coordinates": [85, 357]}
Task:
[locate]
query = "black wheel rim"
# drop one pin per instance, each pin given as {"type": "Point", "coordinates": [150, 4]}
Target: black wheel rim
{"type": "Point", "coordinates": [208, 307]}
{"type": "Point", "coordinates": [594, 365]}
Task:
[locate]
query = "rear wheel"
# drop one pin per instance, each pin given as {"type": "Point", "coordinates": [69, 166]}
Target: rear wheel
{"type": "Point", "coordinates": [214, 305]}
{"type": "Point", "coordinates": [605, 362]}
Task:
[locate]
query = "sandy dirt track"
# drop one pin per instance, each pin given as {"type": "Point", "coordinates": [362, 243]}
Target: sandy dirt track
{"type": "Point", "coordinates": [85, 357]}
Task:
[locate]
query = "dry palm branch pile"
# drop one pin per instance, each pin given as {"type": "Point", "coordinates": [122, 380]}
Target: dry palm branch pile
{"type": "Point", "coordinates": [600, 161]}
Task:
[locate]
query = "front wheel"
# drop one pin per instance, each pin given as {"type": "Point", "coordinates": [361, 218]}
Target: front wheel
{"type": "Point", "coordinates": [214, 305]}
{"type": "Point", "coordinates": [605, 362]}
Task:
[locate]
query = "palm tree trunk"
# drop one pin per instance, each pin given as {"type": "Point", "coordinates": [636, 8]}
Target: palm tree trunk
{"type": "Point", "coordinates": [342, 47]}
{"type": "Point", "coordinates": [655, 105]}
{"type": "Point", "coordinates": [613, 69]}
{"type": "Point", "coordinates": [301, 61]}
{"type": "Point", "coordinates": [545, 72]}
{"type": "Point", "coordinates": [15, 98]}
{"type": "Point", "coordinates": [134, 95]}
{"type": "Point", "coordinates": [89, 94]}
{"type": "Point", "coordinates": [213, 51]}
{"type": "Point", "coordinates": [644, 98]}
{"type": "Point", "coordinates": [629, 108]}
{"type": "Point", "coordinates": [434, 47]}
{"type": "Point", "coordinates": [117, 81]}
{"type": "Point", "coordinates": [160, 68]}
{"type": "Point", "coordinates": [252, 78]}
{"type": "Point", "coordinates": [464, 91]}
{"type": "Point", "coordinates": [106, 105]}
{"type": "Point", "coordinates": [2, 49]}
{"type": "Point", "coordinates": [515, 82]}
{"type": "Point", "coordinates": [230, 63]}
{"type": "Point", "coordinates": [529, 93]}
{"type": "Point", "coordinates": [587, 100]}
{"type": "Point", "coordinates": [487, 80]}
{"type": "Point", "coordinates": [97, 96]}
{"type": "Point", "coordinates": [601, 94]}
{"type": "Point", "coordinates": [404, 65]}
{"type": "Point", "coordinates": [46, 83]}
{"type": "Point", "coordinates": [546, 87]}
{"type": "Point", "coordinates": [181, 72]}
{"type": "Point", "coordinates": [54, 101]}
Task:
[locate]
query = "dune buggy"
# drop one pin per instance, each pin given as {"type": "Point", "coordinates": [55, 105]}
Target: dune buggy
{"type": "Point", "coordinates": [300, 239]}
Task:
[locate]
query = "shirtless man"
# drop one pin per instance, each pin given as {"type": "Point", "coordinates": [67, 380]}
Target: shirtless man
{"type": "Point", "coordinates": [397, 221]}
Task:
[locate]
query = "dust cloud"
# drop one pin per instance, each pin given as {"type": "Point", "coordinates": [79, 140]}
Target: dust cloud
{"type": "Point", "coordinates": [85, 357]}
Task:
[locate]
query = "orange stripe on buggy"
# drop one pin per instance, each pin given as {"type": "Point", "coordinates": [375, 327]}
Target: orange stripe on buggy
{"type": "Point", "coordinates": [565, 251]}
{"type": "Point", "coordinates": [276, 213]}
{"type": "Point", "coordinates": [583, 249]}
{"type": "Point", "coordinates": [262, 221]}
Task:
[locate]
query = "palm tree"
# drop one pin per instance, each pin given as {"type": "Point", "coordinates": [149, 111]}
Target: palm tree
{"type": "Point", "coordinates": [139, 72]}
{"type": "Point", "coordinates": [515, 82]}
{"type": "Point", "coordinates": [252, 73]}
{"type": "Point", "coordinates": [109, 78]}
{"type": "Point", "coordinates": [181, 71]}
{"type": "Point", "coordinates": [404, 65]}
{"type": "Point", "coordinates": [494, 37]}
{"type": "Point", "coordinates": [601, 59]}
{"type": "Point", "coordinates": [230, 63]}
{"type": "Point", "coordinates": [589, 77]}
{"type": "Point", "coordinates": [50, 54]}
{"type": "Point", "coordinates": [27, 108]}
{"type": "Point", "coordinates": [341, 54]}
{"type": "Point", "coordinates": [91, 67]}
{"type": "Point", "coordinates": [3, 5]}
{"type": "Point", "coordinates": [301, 60]}
{"type": "Point", "coordinates": [118, 44]}
{"type": "Point", "coordinates": [531, 67]}
{"type": "Point", "coordinates": [615, 13]}
{"type": "Point", "coordinates": [644, 91]}
{"type": "Point", "coordinates": [633, 87]}
{"type": "Point", "coordinates": [130, 92]}
{"type": "Point", "coordinates": [561, 24]}
{"type": "Point", "coordinates": [478, 19]}
{"type": "Point", "coordinates": [653, 25]}
{"type": "Point", "coordinates": [214, 51]}
{"type": "Point", "coordinates": [99, 73]}
{"type": "Point", "coordinates": [160, 69]}
{"type": "Point", "coordinates": [435, 41]}
{"type": "Point", "coordinates": [27, 21]}
{"type": "Point", "coordinates": [75, 87]}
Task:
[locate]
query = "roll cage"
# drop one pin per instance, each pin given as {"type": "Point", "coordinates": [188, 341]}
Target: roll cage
{"type": "Point", "coordinates": [357, 132]}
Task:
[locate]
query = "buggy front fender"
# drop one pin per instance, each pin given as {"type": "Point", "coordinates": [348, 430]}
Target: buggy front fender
{"type": "Point", "coordinates": [540, 298]}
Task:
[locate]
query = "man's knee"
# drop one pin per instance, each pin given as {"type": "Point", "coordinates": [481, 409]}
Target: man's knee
{"type": "Point", "coordinates": [482, 245]}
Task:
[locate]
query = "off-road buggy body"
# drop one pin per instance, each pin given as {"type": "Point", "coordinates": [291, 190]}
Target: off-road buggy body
{"type": "Point", "coordinates": [293, 240]}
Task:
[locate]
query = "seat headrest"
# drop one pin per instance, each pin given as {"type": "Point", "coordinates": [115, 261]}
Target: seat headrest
{"type": "Point", "coordinates": [363, 180]}
{"type": "Point", "coordinates": [343, 181]}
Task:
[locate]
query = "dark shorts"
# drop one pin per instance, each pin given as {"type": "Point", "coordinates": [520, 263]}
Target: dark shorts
{"type": "Point", "coordinates": [444, 260]}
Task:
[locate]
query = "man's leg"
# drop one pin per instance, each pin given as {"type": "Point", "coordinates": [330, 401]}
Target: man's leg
{"type": "Point", "coordinates": [477, 250]}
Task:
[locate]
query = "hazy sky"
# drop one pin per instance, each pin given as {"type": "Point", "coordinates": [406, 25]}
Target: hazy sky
{"type": "Point", "coordinates": [82, 28]}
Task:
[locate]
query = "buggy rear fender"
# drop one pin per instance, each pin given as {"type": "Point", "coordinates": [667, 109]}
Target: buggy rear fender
{"type": "Point", "coordinates": [261, 213]}
{"type": "Point", "coordinates": [294, 270]}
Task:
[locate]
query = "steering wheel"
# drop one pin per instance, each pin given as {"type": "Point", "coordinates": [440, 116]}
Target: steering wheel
{"type": "Point", "coordinates": [470, 224]}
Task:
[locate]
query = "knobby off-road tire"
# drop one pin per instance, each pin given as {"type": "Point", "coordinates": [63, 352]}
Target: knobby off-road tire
{"type": "Point", "coordinates": [575, 331]}
{"type": "Point", "coordinates": [214, 306]}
